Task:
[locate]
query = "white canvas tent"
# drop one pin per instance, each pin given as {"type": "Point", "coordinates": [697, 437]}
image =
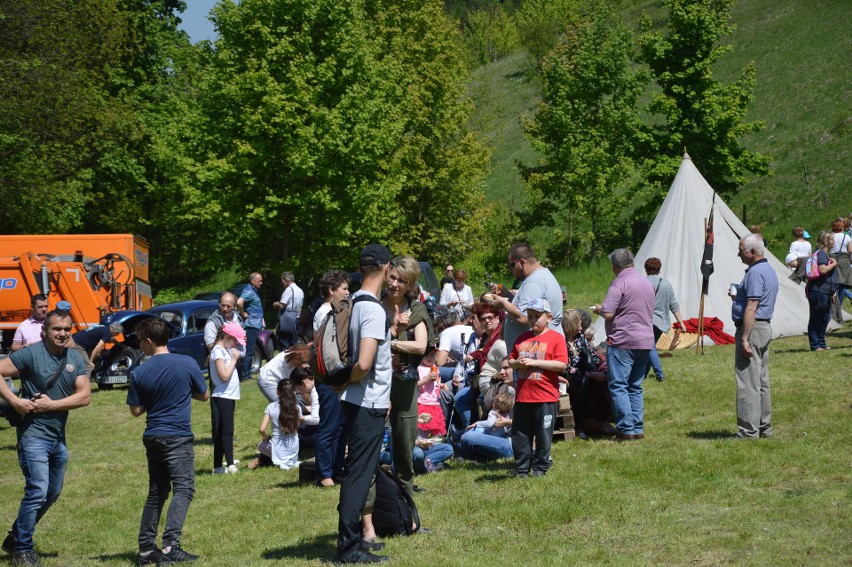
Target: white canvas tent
{"type": "Point", "coordinates": [677, 238]}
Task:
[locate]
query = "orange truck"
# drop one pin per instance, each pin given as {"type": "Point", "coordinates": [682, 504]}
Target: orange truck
{"type": "Point", "coordinates": [97, 273]}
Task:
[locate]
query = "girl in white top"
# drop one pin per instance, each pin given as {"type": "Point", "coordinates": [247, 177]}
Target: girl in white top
{"type": "Point", "coordinates": [457, 296]}
{"type": "Point", "coordinates": [286, 415]}
{"type": "Point", "coordinates": [226, 390]}
{"type": "Point", "coordinates": [800, 247]}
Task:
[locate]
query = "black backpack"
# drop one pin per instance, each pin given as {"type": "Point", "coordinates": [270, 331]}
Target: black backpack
{"type": "Point", "coordinates": [394, 512]}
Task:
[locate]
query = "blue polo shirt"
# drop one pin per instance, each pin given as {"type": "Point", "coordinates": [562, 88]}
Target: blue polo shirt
{"type": "Point", "coordinates": [253, 308]}
{"type": "Point", "coordinates": [760, 282]}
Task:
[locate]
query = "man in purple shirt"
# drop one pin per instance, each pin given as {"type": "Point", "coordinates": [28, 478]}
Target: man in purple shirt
{"type": "Point", "coordinates": [628, 313]}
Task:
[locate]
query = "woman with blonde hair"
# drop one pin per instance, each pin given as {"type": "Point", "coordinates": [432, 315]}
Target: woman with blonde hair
{"type": "Point", "coordinates": [820, 292]}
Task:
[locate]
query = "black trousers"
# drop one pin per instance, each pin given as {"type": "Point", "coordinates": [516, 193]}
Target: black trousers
{"type": "Point", "coordinates": [222, 419]}
{"type": "Point", "coordinates": [533, 422]}
{"type": "Point", "coordinates": [365, 430]}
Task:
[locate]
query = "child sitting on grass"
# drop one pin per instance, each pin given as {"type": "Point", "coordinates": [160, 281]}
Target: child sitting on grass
{"type": "Point", "coordinates": [539, 355]}
{"type": "Point", "coordinates": [281, 447]}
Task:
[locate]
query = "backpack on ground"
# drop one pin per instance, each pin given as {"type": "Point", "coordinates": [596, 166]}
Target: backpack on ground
{"type": "Point", "coordinates": [812, 267]}
{"type": "Point", "coordinates": [331, 359]}
{"type": "Point", "coordinates": [395, 512]}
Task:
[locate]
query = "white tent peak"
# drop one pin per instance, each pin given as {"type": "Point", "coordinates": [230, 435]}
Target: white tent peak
{"type": "Point", "coordinates": [677, 238]}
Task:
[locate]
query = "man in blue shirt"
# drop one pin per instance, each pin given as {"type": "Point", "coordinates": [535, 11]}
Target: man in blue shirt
{"type": "Point", "coordinates": [251, 309]}
{"type": "Point", "coordinates": [754, 304]}
{"type": "Point", "coordinates": [162, 388]}
{"type": "Point", "coordinates": [53, 381]}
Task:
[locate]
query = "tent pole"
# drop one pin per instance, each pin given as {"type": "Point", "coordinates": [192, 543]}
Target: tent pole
{"type": "Point", "coordinates": [700, 326]}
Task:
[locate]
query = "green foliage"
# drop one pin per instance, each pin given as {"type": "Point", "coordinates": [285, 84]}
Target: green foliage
{"type": "Point", "coordinates": [540, 24]}
{"type": "Point", "coordinates": [700, 114]}
{"type": "Point", "coordinates": [490, 33]}
{"type": "Point", "coordinates": [57, 117]}
{"type": "Point", "coordinates": [587, 128]}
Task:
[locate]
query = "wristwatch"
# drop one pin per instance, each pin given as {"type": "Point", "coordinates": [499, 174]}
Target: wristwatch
{"type": "Point", "coordinates": [394, 344]}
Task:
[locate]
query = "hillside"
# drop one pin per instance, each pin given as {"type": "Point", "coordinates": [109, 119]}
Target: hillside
{"type": "Point", "coordinates": [801, 50]}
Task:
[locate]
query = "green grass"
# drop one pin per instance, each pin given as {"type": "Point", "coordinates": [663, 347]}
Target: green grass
{"type": "Point", "coordinates": [684, 496]}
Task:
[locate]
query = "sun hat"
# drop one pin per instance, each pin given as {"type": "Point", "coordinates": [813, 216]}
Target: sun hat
{"type": "Point", "coordinates": [233, 329]}
{"type": "Point", "coordinates": [540, 305]}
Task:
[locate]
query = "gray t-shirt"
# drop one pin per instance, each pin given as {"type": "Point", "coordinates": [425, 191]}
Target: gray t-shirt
{"type": "Point", "coordinates": [539, 284]}
{"type": "Point", "coordinates": [665, 303]}
{"type": "Point", "coordinates": [37, 366]}
{"type": "Point", "coordinates": [369, 320]}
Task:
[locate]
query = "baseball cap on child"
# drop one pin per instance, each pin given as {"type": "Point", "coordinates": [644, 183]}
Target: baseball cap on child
{"type": "Point", "coordinates": [233, 329]}
{"type": "Point", "coordinates": [540, 305]}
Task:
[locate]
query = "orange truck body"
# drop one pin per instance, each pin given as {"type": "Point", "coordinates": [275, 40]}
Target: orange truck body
{"type": "Point", "coordinates": [96, 273]}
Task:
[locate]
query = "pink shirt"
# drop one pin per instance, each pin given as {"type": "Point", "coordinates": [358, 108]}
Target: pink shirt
{"type": "Point", "coordinates": [631, 298]}
{"type": "Point", "coordinates": [29, 332]}
{"type": "Point", "coordinates": [428, 392]}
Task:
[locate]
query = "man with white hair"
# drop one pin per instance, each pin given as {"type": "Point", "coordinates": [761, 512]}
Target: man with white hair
{"type": "Point", "coordinates": [754, 304]}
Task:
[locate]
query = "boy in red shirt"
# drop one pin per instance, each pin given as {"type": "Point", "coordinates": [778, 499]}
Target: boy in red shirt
{"type": "Point", "coordinates": [539, 356]}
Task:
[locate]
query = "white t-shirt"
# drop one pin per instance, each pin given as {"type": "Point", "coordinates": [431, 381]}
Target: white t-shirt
{"type": "Point", "coordinates": [451, 340]}
{"type": "Point", "coordinates": [229, 388]}
{"type": "Point", "coordinates": [293, 298]}
{"type": "Point", "coordinates": [369, 320]}
{"type": "Point", "coordinates": [841, 243]}
{"type": "Point", "coordinates": [450, 294]}
{"type": "Point", "coordinates": [275, 370]}
{"type": "Point", "coordinates": [314, 407]}
{"type": "Point", "coordinates": [800, 248]}
{"type": "Point", "coordinates": [319, 317]}
{"type": "Point", "coordinates": [285, 448]}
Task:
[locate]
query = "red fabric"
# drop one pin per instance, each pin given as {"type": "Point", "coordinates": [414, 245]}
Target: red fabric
{"type": "Point", "coordinates": [539, 385]}
{"type": "Point", "coordinates": [437, 425]}
{"type": "Point", "coordinates": [713, 328]}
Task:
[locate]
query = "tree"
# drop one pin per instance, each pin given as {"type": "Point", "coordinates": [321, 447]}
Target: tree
{"type": "Point", "coordinates": [700, 114]}
{"type": "Point", "coordinates": [587, 127]}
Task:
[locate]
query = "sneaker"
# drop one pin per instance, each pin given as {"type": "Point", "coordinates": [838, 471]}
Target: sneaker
{"type": "Point", "coordinates": [154, 557]}
{"type": "Point", "coordinates": [177, 555]}
{"type": "Point", "coordinates": [9, 544]}
{"type": "Point", "coordinates": [232, 469]}
{"type": "Point", "coordinates": [537, 472]}
{"type": "Point", "coordinates": [430, 466]}
{"type": "Point", "coordinates": [220, 470]}
{"type": "Point", "coordinates": [360, 556]}
{"type": "Point", "coordinates": [236, 461]}
{"type": "Point", "coordinates": [372, 545]}
{"type": "Point", "coordinates": [26, 558]}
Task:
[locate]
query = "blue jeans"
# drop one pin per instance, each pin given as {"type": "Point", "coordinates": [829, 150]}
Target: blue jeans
{"type": "Point", "coordinates": [654, 357]}
{"type": "Point", "coordinates": [251, 340]}
{"type": "Point", "coordinates": [330, 445]}
{"type": "Point", "coordinates": [43, 463]}
{"type": "Point", "coordinates": [171, 467]}
{"type": "Point", "coordinates": [477, 445]}
{"type": "Point", "coordinates": [437, 453]}
{"type": "Point", "coordinates": [626, 371]}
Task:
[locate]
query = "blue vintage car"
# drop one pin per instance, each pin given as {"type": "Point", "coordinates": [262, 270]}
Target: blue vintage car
{"type": "Point", "coordinates": [186, 320]}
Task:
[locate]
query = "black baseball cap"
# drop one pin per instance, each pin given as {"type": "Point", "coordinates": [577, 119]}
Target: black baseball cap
{"type": "Point", "coordinates": [375, 255]}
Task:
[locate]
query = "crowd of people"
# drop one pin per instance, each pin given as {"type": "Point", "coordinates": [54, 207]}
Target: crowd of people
{"type": "Point", "coordinates": [477, 379]}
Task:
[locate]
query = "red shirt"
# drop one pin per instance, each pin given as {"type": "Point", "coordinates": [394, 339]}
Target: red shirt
{"type": "Point", "coordinates": [536, 385]}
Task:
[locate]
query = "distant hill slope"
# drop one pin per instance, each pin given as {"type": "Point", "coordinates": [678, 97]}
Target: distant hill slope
{"type": "Point", "coordinates": [803, 52]}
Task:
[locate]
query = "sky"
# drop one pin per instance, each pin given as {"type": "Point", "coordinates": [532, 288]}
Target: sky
{"type": "Point", "coordinates": [195, 22]}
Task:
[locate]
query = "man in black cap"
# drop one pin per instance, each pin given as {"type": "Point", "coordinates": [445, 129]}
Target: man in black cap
{"type": "Point", "coordinates": [364, 403]}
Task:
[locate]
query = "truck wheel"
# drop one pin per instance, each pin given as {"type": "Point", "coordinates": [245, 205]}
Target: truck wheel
{"type": "Point", "coordinates": [256, 359]}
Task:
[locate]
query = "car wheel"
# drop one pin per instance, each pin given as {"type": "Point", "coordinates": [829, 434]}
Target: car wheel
{"type": "Point", "coordinates": [121, 362]}
{"type": "Point", "coordinates": [256, 359]}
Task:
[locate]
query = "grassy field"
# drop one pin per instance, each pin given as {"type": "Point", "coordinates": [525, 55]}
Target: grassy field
{"type": "Point", "coordinates": [684, 496]}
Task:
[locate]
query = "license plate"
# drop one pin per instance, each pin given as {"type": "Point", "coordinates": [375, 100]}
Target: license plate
{"type": "Point", "coordinates": [115, 379]}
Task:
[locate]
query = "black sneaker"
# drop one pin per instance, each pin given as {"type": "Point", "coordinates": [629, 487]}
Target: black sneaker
{"type": "Point", "coordinates": [29, 558]}
{"type": "Point", "coordinates": [537, 472]}
{"type": "Point", "coordinates": [361, 556]}
{"type": "Point", "coordinates": [177, 555]}
{"type": "Point", "coordinates": [9, 544]}
{"type": "Point", "coordinates": [372, 545]}
{"type": "Point", "coordinates": [155, 557]}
